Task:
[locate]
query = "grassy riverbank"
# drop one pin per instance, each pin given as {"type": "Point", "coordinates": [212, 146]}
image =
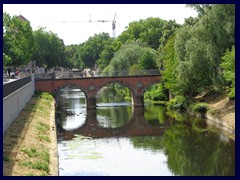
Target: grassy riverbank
{"type": "Point", "coordinates": [29, 144]}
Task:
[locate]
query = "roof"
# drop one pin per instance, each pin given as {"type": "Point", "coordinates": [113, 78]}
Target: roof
{"type": "Point", "coordinates": [22, 18]}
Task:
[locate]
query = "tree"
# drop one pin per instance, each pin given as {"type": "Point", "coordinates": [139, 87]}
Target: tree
{"type": "Point", "coordinates": [228, 65]}
{"type": "Point", "coordinates": [91, 50]}
{"type": "Point", "coordinates": [49, 49]}
{"type": "Point", "coordinates": [18, 41]}
{"type": "Point", "coordinates": [105, 56]}
{"type": "Point", "coordinates": [130, 54]}
{"type": "Point", "coordinates": [199, 48]}
{"type": "Point", "coordinates": [170, 66]}
{"type": "Point", "coordinates": [152, 31]}
{"type": "Point", "coordinates": [71, 53]}
{"type": "Point", "coordinates": [147, 61]}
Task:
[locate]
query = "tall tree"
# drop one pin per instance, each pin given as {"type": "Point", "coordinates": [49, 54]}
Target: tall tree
{"type": "Point", "coordinates": [153, 31]}
{"type": "Point", "coordinates": [228, 65]}
{"type": "Point", "coordinates": [18, 41]}
{"type": "Point", "coordinates": [91, 50]}
{"type": "Point", "coordinates": [170, 65]}
{"type": "Point", "coordinates": [49, 50]}
{"type": "Point", "coordinates": [199, 48]}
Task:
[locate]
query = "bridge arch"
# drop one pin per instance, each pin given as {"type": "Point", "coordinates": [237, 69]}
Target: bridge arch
{"type": "Point", "coordinates": [90, 86]}
{"type": "Point", "coordinates": [121, 83]}
{"type": "Point", "coordinates": [59, 88]}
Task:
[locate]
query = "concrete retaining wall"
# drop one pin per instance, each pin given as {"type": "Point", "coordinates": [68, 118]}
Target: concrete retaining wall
{"type": "Point", "coordinates": [15, 102]}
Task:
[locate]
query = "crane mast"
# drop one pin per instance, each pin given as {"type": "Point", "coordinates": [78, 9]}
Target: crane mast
{"type": "Point", "coordinates": [113, 24]}
{"type": "Point", "coordinates": [114, 27]}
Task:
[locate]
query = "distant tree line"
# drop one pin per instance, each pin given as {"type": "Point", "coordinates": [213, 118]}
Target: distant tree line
{"type": "Point", "coordinates": [194, 57]}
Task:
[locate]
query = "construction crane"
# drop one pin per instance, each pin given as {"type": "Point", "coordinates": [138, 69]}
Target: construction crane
{"type": "Point", "coordinates": [102, 21]}
{"type": "Point", "coordinates": [113, 24]}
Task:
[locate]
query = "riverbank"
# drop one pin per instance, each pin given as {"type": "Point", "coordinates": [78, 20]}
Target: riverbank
{"type": "Point", "coordinates": [30, 144]}
{"type": "Point", "coordinates": [221, 114]}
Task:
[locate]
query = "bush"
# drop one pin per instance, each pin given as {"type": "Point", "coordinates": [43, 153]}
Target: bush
{"type": "Point", "coordinates": [231, 94]}
{"type": "Point", "coordinates": [200, 107]}
{"type": "Point", "coordinates": [179, 103]}
{"type": "Point", "coordinates": [156, 93]}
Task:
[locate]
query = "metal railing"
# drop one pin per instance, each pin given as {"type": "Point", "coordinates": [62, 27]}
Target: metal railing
{"type": "Point", "coordinates": [73, 74]}
{"type": "Point", "coordinates": [145, 72]}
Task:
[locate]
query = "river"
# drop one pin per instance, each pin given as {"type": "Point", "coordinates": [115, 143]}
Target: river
{"type": "Point", "coordinates": [118, 139]}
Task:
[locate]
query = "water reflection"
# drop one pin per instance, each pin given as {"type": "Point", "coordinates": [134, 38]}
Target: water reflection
{"type": "Point", "coordinates": [114, 116]}
{"type": "Point", "coordinates": [117, 139]}
{"type": "Point", "coordinates": [72, 108]}
{"type": "Point", "coordinates": [194, 152]}
{"type": "Point", "coordinates": [136, 126]}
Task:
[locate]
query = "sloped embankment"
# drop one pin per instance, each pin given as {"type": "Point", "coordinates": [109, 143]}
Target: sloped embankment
{"type": "Point", "coordinates": [29, 144]}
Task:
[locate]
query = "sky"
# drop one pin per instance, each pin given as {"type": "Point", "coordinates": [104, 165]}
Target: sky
{"type": "Point", "coordinates": [71, 21]}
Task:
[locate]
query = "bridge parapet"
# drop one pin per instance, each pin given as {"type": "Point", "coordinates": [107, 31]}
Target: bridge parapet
{"type": "Point", "coordinates": [89, 74]}
{"type": "Point", "coordinates": [144, 72]}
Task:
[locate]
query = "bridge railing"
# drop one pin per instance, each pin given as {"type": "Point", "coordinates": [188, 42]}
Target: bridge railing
{"type": "Point", "coordinates": [144, 72]}
{"type": "Point", "coordinates": [72, 74]}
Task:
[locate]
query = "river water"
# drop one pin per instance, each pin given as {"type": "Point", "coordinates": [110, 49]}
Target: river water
{"type": "Point", "coordinates": [117, 139]}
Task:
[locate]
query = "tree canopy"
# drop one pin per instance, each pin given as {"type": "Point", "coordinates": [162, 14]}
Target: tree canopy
{"type": "Point", "coordinates": [18, 41]}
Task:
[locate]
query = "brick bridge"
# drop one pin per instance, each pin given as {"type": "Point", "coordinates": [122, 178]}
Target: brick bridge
{"type": "Point", "coordinates": [90, 86]}
{"type": "Point", "coordinates": [137, 126]}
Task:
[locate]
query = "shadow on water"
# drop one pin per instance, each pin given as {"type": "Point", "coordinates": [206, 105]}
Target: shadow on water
{"type": "Point", "coordinates": [137, 126]}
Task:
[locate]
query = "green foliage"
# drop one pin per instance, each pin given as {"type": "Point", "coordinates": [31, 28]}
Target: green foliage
{"type": "Point", "coordinates": [147, 61]}
{"type": "Point", "coordinates": [43, 137]}
{"type": "Point", "coordinates": [49, 50]}
{"type": "Point", "coordinates": [40, 165]}
{"type": "Point", "coordinates": [32, 152]}
{"type": "Point", "coordinates": [152, 31]}
{"type": "Point", "coordinates": [45, 95]}
{"type": "Point", "coordinates": [199, 107]}
{"type": "Point", "coordinates": [106, 55]}
{"type": "Point", "coordinates": [179, 103]}
{"type": "Point", "coordinates": [133, 69]}
{"type": "Point", "coordinates": [156, 93]}
{"type": "Point", "coordinates": [6, 158]}
{"type": "Point", "coordinates": [93, 49]}
{"type": "Point", "coordinates": [129, 55]}
{"type": "Point", "coordinates": [72, 57]}
{"type": "Point", "coordinates": [200, 8]}
{"type": "Point", "coordinates": [199, 48]}
{"type": "Point", "coordinates": [18, 41]}
{"type": "Point", "coordinates": [170, 66]}
{"type": "Point", "coordinates": [228, 65]}
{"type": "Point", "coordinates": [42, 127]}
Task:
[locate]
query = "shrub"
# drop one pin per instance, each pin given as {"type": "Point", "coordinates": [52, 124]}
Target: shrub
{"type": "Point", "coordinates": [156, 93]}
{"type": "Point", "coordinates": [200, 107]}
{"type": "Point", "coordinates": [179, 103]}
